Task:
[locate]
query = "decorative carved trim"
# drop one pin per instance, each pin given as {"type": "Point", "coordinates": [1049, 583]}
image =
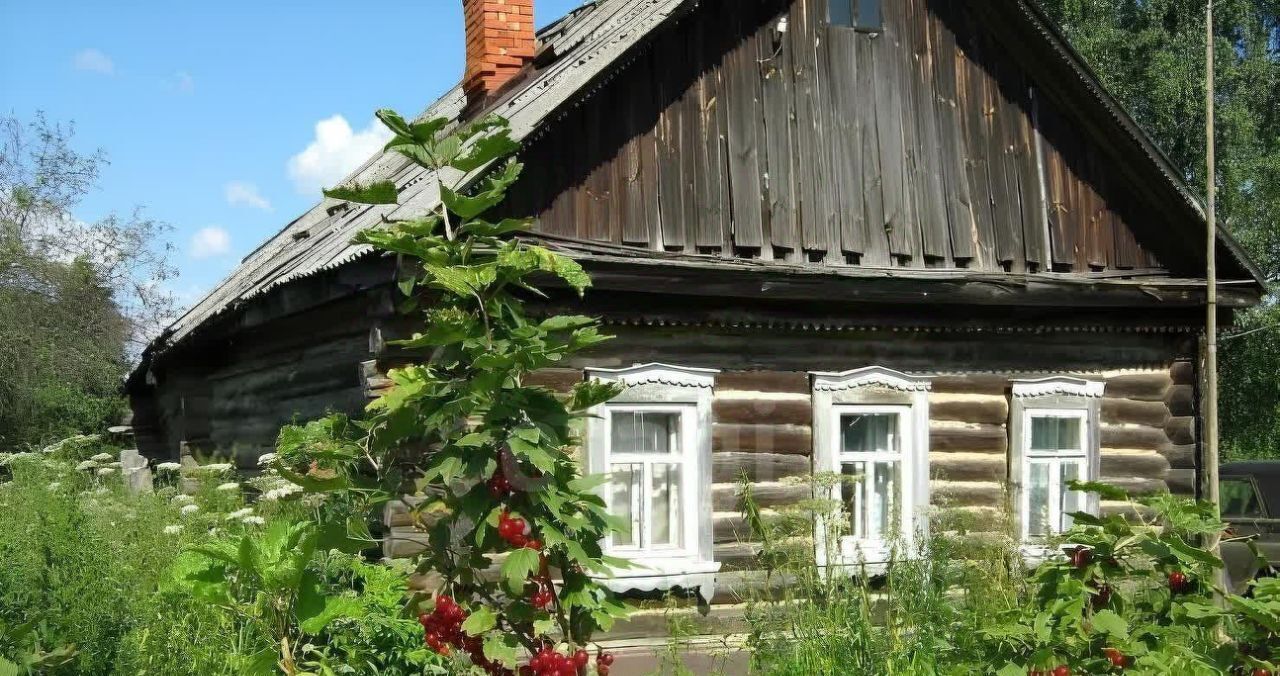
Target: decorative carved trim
{"type": "Point", "coordinates": [1063, 385]}
{"type": "Point", "coordinates": [878, 376]}
{"type": "Point", "coordinates": [657, 374]}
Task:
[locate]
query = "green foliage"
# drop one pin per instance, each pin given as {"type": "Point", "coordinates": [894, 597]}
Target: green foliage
{"type": "Point", "coordinates": [1151, 56]}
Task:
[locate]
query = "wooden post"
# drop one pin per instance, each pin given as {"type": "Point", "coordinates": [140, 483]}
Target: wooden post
{"type": "Point", "coordinates": [1211, 303]}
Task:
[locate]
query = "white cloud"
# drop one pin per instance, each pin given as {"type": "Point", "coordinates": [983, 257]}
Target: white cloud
{"type": "Point", "coordinates": [210, 242]}
{"type": "Point", "coordinates": [336, 151]}
{"type": "Point", "coordinates": [243, 194]}
{"type": "Point", "coordinates": [93, 61]}
{"type": "Point", "coordinates": [181, 82]}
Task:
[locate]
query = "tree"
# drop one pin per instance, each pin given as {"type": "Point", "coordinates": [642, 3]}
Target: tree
{"type": "Point", "coordinates": [77, 299]}
{"type": "Point", "coordinates": [490, 459]}
{"type": "Point", "coordinates": [1151, 55]}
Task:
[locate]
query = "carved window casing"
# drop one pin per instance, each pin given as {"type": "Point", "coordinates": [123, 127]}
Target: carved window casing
{"type": "Point", "coordinates": [654, 440]}
{"type": "Point", "coordinates": [1055, 440]}
{"type": "Point", "coordinates": [871, 427]}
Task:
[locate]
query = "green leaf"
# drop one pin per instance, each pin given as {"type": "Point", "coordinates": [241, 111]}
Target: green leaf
{"type": "Point", "coordinates": [394, 122]}
{"type": "Point", "coordinates": [566, 323]}
{"type": "Point", "coordinates": [316, 611]}
{"type": "Point", "coordinates": [469, 207]}
{"type": "Point", "coordinates": [1105, 491]}
{"type": "Point", "coordinates": [1012, 669]}
{"type": "Point", "coordinates": [520, 564]}
{"type": "Point", "coordinates": [1190, 554]}
{"type": "Point", "coordinates": [1108, 622]}
{"type": "Point", "coordinates": [481, 620]}
{"type": "Point", "coordinates": [379, 192]}
{"type": "Point", "coordinates": [485, 149]}
{"type": "Point", "coordinates": [502, 647]}
{"type": "Point", "coordinates": [588, 483]}
{"type": "Point", "coordinates": [474, 439]}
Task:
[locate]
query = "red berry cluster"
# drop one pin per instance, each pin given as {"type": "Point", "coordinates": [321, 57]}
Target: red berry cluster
{"type": "Point", "coordinates": [499, 486]}
{"type": "Point", "coordinates": [542, 596]}
{"type": "Point", "coordinates": [515, 531]}
{"type": "Point", "coordinates": [1117, 658]}
{"type": "Point", "coordinates": [549, 662]}
{"type": "Point", "coordinates": [443, 626]}
{"type": "Point", "coordinates": [1060, 670]}
{"type": "Point", "coordinates": [1179, 582]}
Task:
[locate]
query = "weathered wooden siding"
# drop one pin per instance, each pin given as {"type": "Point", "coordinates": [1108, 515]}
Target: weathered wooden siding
{"type": "Point", "coordinates": [925, 145]}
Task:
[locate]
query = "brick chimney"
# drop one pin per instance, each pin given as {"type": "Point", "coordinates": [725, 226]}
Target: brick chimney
{"type": "Point", "coordinates": [500, 40]}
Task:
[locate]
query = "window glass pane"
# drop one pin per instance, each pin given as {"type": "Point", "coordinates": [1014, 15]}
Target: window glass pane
{"type": "Point", "coordinates": [624, 497]}
{"type": "Point", "coordinates": [871, 432]}
{"type": "Point", "coordinates": [1051, 433]}
{"type": "Point", "coordinates": [1072, 501]}
{"type": "Point", "coordinates": [1239, 498]}
{"type": "Point", "coordinates": [1038, 499]}
{"type": "Point", "coordinates": [840, 12]}
{"type": "Point", "coordinates": [666, 506]}
{"type": "Point", "coordinates": [872, 494]}
{"type": "Point", "coordinates": [869, 14]}
{"type": "Point", "coordinates": [645, 432]}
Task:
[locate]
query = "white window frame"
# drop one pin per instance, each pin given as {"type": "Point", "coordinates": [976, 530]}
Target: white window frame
{"type": "Point", "coordinates": [669, 389]}
{"type": "Point", "coordinates": [872, 390]}
{"type": "Point", "coordinates": [1053, 397]}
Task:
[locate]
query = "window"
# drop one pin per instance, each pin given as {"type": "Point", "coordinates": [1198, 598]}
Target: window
{"type": "Point", "coordinates": [1055, 443]}
{"type": "Point", "coordinates": [654, 442]}
{"type": "Point", "coordinates": [864, 15]}
{"type": "Point", "coordinates": [1239, 498]}
{"type": "Point", "coordinates": [871, 427]}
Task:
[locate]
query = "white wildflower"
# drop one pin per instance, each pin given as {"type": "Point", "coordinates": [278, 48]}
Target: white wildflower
{"type": "Point", "coordinates": [253, 520]}
{"type": "Point", "coordinates": [106, 471]}
{"type": "Point", "coordinates": [266, 459]}
{"type": "Point", "coordinates": [282, 492]}
{"type": "Point", "coordinates": [190, 509]}
{"type": "Point", "coordinates": [172, 530]}
{"type": "Point", "coordinates": [182, 499]}
{"type": "Point", "coordinates": [102, 457]}
{"type": "Point", "coordinates": [100, 490]}
{"type": "Point", "coordinates": [169, 467]}
{"type": "Point", "coordinates": [55, 485]}
{"type": "Point", "coordinates": [215, 468]}
{"type": "Point", "coordinates": [87, 465]}
{"type": "Point", "coordinates": [240, 514]}
{"type": "Point", "coordinates": [229, 486]}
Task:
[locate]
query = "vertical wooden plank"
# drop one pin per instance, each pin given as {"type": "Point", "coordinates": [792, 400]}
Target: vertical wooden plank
{"type": "Point", "coordinates": [960, 217]}
{"type": "Point", "coordinates": [709, 185]}
{"type": "Point", "coordinates": [1062, 241]}
{"type": "Point", "coordinates": [636, 102]}
{"type": "Point", "coordinates": [970, 95]}
{"type": "Point", "coordinates": [741, 100]}
{"type": "Point", "coordinates": [780, 151]}
{"type": "Point", "coordinates": [886, 57]}
{"type": "Point", "coordinates": [931, 198]}
{"type": "Point", "coordinates": [649, 173]}
{"type": "Point", "coordinates": [846, 143]}
{"type": "Point", "coordinates": [1026, 166]}
{"type": "Point", "coordinates": [1035, 221]}
{"type": "Point", "coordinates": [1100, 236]}
{"type": "Point", "coordinates": [809, 160]}
{"type": "Point", "coordinates": [876, 241]}
{"type": "Point", "coordinates": [669, 56]}
{"type": "Point", "coordinates": [1006, 206]}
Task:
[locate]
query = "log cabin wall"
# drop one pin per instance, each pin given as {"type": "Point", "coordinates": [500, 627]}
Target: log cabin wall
{"type": "Point", "coordinates": [762, 412]}
{"type": "Point", "coordinates": [924, 145]}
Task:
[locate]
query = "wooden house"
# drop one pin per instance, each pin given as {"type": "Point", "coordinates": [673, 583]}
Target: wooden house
{"type": "Point", "coordinates": [911, 240]}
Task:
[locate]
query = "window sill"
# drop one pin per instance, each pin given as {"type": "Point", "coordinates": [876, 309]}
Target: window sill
{"type": "Point", "coordinates": [664, 574]}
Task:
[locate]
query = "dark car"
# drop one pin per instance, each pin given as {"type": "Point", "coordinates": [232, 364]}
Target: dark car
{"type": "Point", "coordinates": [1250, 495]}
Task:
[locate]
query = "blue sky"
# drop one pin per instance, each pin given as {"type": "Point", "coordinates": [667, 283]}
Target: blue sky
{"type": "Point", "coordinates": [208, 111]}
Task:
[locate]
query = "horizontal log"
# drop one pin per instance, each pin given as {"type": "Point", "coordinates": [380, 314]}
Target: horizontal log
{"type": "Point", "coordinates": [1133, 463]}
{"type": "Point", "coordinates": [1132, 411]}
{"type": "Point", "coordinates": [964, 466]}
{"type": "Point", "coordinates": [736, 555]}
{"type": "Point", "coordinates": [761, 408]}
{"type": "Point", "coordinates": [557, 380]}
{"type": "Point", "coordinates": [788, 439]}
{"type": "Point", "coordinates": [1181, 430]}
{"type": "Point", "coordinates": [1183, 373]}
{"type": "Point", "coordinates": [1180, 456]}
{"type": "Point", "coordinates": [973, 438]}
{"type": "Point", "coordinates": [728, 497]}
{"type": "Point", "coordinates": [1136, 486]}
{"type": "Point", "coordinates": [733, 527]}
{"type": "Point", "coordinates": [728, 467]}
{"type": "Point", "coordinates": [1181, 400]}
{"type": "Point", "coordinates": [1182, 481]}
{"type": "Point", "coordinates": [1140, 386]}
{"type": "Point", "coordinates": [404, 543]}
{"type": "Point", "coordinates": [763, 381]}
{"type": "Point", "coordinates": [1133, 436]}
{"type": "Point", "coordinates": [966, 493]}
{"type": "Point", "coordinates": [976, 383]}
{"type": "Point", "coordinates": [649, 622]}
{"type": "Point", "coordinates": [969, 408]}
{"type": "Point", "coordinates": [1129, 510]}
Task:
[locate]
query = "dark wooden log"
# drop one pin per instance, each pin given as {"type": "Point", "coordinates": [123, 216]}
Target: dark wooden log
{"type": "Point", "coordinates": [975, 438]}
{"type": "Point", "coordinates": [1181, 400]}
{"type": "Point", "coordinates": [757, 410]}
{"type": "Point", "coordinates": [971, 384]}
{"type": "Point", "coordinates": [728, 497]}
{"type": "Point", "coordinates": [1144, 464]}
{"type": "Point", "coordinates": [1181, 430]}
{"type": "Point", "coordinates": [990, 410]}
{"type": "Point", "coordinates": [1183, 373]}
{"type": "Point", "coordinates": [1140, 386]}
{"type": "Point", "coordinates": [1180, 456]}
{"type": "Point", "coordinates": [1152, 413]}
{"type": "Point", "coordinates": [558, 380]}
{"type": "Point", "coordinates": [763, 381]}
{"type": "Point", "coordinates": [729, 467]}
{"type": "Point", "coordinates": [1133, 436]}
{"type": "Point", "coordinates": [962, 466]}
{"type": "Point", "coordinates": [1182, 481]}
{"type": "Point", "coordinates": [765, 438]}
{"type": "Point", "coordinates": [966, 493]}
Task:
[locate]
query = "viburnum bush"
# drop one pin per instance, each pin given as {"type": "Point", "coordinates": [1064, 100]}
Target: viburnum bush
{"type": "Point", "coordinates": [1137, 594]}
{"type": "Point", "coordinates": [489, 458]}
